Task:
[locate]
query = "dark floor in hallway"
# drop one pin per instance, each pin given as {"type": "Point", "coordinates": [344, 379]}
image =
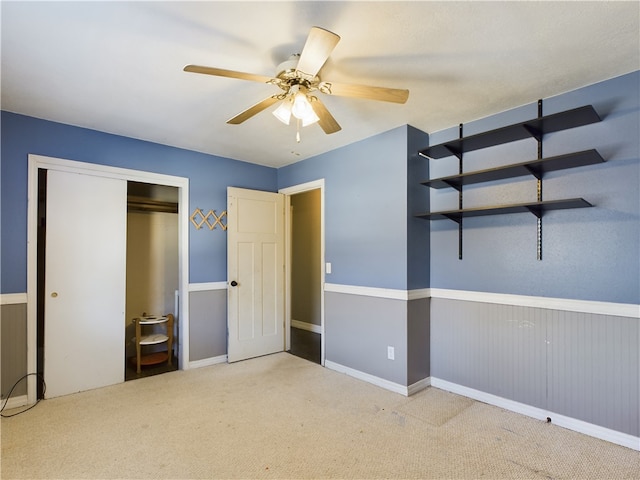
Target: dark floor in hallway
{"type": "Point", "coordinates": [305, 344]}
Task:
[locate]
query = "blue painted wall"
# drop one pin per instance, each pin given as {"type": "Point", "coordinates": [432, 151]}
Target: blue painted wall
{"type": "Point", "coordinates": [418, 231]}
{"type": "Point", "coordinates": [367, 209]}
{"type": "Point", "coordinates": [208, 176]}
{"type": "Point", "coordinates": [372, 192]}
{"type": "Point", "coordinates": [588, 254]}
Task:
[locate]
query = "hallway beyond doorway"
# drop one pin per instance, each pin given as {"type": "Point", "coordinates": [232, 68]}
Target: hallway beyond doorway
{"type": "Point", "coordinates": [305, 344]}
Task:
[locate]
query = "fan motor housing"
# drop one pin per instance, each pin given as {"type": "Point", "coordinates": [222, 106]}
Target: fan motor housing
{"type": "Point", "coordinates": [288, 73]}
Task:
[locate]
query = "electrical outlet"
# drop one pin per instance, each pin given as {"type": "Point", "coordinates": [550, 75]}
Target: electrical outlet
{"type": "Point", "coordinates": [391, 355]}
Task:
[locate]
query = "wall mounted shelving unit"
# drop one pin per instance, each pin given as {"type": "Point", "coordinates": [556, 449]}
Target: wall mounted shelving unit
{"type": "Point", "coordinates": [535, 128]}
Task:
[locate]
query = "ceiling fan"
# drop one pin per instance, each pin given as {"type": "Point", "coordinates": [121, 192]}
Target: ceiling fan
{"type": "Point", "coordinates": [298, 78]}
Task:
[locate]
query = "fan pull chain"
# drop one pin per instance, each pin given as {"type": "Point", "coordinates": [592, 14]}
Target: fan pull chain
{"type": "Point", "coordinates": [298, 130]}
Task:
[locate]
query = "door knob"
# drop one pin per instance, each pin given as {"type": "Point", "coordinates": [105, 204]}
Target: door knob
{"type": "Point", "coordinates": [233, 283]}
{"type": "Point", "coordinates": [54, 294]}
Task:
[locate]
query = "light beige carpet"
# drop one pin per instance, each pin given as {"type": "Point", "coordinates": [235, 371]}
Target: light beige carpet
{"type": "Point", "coordinates": [283, 417]}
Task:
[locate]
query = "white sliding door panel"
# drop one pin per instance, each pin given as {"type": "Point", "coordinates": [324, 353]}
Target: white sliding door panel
{"type": "Point", "coordinates": [85, 271]}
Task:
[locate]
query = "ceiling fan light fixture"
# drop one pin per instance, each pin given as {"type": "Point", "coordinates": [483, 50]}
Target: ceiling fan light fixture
{"type": "Point", "coordinates": [298, 78]}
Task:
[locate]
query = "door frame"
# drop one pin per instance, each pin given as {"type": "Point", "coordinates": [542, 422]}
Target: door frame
{"type": "Point", "coordinates": [37, 162]}
{"type": "Point", "coordinates": [288, 192]}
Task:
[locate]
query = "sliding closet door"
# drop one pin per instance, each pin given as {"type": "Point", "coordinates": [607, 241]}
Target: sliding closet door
{"type": "Point", "coordinates": [85, 275]}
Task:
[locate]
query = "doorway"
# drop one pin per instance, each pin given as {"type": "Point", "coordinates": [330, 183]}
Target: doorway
{"type": "Point", "coordinates": [305, 250]}
{"type": "Point", "coordinates": [306, 332]}
{"type": "Point", "coordinates": [151, 275]}
{"type": "Point", "coordinates": [39, 164]}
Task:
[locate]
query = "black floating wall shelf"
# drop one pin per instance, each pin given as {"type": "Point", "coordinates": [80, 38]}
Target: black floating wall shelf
{"type": "Point", "coordinates": [537, 168]}
{"type": "Point", "coordinates": [530, 129]}
{"type": "Point", "coordinates": [536, 208]}
{"type": "Point", "coordinates": [536, 129]}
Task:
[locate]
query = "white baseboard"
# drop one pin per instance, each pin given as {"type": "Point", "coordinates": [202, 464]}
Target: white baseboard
{"type": "Point", "coordinates": [310, 327]}
{"type": "Point", "coordinates": [379, 382]}
{"type": "Point", "coordinates": [419, 385]}
{"type": "Point", "coordinates": [15, 402]}
{"type": "Point", "coordinates": [206, 362]}
{"type": "Point", "coordinates": [569, 423]}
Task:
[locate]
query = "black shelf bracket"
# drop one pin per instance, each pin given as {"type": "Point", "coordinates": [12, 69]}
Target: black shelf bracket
{"type": "Point", "coordinates": [452, 184]}
{"type": "Point", "coordinates": [536, 173]}
{"type": "Point", "coordinates": [537, 211]}
{"type": "Point", "coordinates": [534, 132]}
{"type": "Point", "coordinates": [456, 218]}
{"type": "Point", "coordinates": [539, 192]}
{"type": "Point", "coordinates": [460, 196]}
{"type": "Point", "coordinates": [454, 151]}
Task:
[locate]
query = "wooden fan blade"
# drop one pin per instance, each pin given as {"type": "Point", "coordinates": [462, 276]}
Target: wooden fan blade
{"type": "Point", "coordinates": [326, 122]}
{"type": "Point", "coordinates": [394, 95]}
{"type": "Point", "coordinates": [319, 45]}
{"type": "Point", "coordinates": [251, 111]}
{"type": "Point", "coordinates": [220, 72]}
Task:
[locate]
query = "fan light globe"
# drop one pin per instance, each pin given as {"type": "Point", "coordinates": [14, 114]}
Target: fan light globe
{"type": "Point", "coordinates": [283, 112]}
{"type": "Point", "coordinates": [302, 110]}
{"type": "Point", "coordinates": [298, 105]}
{"type": "Point", "coordinates": [310, 119]}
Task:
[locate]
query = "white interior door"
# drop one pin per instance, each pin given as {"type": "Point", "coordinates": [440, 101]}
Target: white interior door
{"type": "Point", "coordinates": [84, 282]}
{"type": "Point", "coordinates": [255, 272]}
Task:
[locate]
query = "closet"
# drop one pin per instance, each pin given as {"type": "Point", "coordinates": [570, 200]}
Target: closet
{"type": "Point", "coordinates": [151, 272]}
{"type": "Point", "coordinates": [104, 248]}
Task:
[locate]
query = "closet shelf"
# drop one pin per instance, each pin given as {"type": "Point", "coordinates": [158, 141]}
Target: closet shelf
{"type": "Point", "coordinates": [537, 168]}
{"type": "Point", "coordinates": [536, 208]}
{"type": "Point", "coordinates": [534, 128]}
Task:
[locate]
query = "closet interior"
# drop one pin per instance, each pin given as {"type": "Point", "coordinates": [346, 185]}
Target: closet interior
{"type": "Point", "coordinates": [151, 280]}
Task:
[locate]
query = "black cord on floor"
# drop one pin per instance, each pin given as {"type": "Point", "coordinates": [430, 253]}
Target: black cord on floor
{"type": "Point", "coordinates": [44, 389]}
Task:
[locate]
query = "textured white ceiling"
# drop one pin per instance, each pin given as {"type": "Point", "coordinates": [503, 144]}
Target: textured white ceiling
{"type": "Point", "coordinates": [117, 66]}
